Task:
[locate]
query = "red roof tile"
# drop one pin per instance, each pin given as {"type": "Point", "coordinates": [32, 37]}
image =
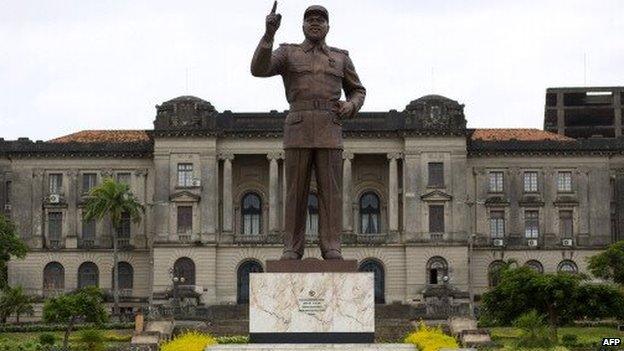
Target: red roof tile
{"type": "Point", "coordinates": [520, 134]}
{"type": "Point", "coordinates": [103, 136]}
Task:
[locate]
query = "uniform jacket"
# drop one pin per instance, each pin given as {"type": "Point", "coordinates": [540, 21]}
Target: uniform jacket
{"type": "Point", "coordinates": [314, 77]}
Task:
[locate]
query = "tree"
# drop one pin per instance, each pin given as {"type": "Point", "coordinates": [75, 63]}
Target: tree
{"type": "Point", "coordinates": [562, 297]}
{"type": "Point", "coordinates": [83, 305]}
{"type": "Point", "coordinates": [15, 301]}
{"type": "Point", "coordinates": [10, 245]}
{"type": "Point", "coordinates": [609, 264]}
{"type": "Point", "coordinates": [113, 199]}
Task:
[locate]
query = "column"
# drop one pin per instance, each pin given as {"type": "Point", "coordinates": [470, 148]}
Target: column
{"type": "Point", "coordinates": [560, 114]}
{"type": "Point", "coordinates": [228, 214]}
{"type": "Point", "coordinates": [71, 239]}
{"type": "Point", "coordinates": [273, 191]}
{"type": "Point", "coordinates": [37, 237]}
{"type": "Point", "coordinates": [347, 212]}
{"type": "Point", "coordinates": [209, 198]}
{"type": "Point", "coordinates": [393, 193]}
{"type": "Point", "coordinates": [617, 110]}
{"type": "Point", "coordinates": [139, 238]}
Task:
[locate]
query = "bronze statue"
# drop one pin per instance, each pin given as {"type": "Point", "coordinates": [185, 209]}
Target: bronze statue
{"type": "Point", "coordinates": [314, 76]}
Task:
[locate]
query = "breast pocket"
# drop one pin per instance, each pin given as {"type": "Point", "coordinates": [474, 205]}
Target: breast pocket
{"type": "Point", "coordinates": [300, 67]}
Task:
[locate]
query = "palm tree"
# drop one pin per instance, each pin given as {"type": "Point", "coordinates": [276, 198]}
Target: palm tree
{"type": "Point", "coordinates": [113, 199]}
{"type": "Point", "coordinates": [15, 301]}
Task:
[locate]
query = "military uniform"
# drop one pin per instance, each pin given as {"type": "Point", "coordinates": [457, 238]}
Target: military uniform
{"type": "Point", "coordinates": [314, 77]}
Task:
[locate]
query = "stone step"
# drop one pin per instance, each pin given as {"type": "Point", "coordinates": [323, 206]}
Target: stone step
{"type": "Point", "coordinates": [313, 347]}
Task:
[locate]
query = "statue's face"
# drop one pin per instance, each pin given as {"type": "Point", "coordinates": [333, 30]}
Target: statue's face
{"type": "Point", "coordinates": [315, 27]}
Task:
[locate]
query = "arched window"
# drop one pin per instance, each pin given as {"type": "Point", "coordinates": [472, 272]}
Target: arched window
{"type": "Point", "coordinates": [242, 278]}
{"type": "Point", "coordinates": [252, 214]}
{"type": "Point", "coordinates": [437, 270]}
{"type": "Point", "coordinates": [369, 213]}
{"type": "Point", "coordinates": [184, 267]}
{"type": "Point", "coordinates": [567, 266]}
{"type": "Point", "coordinates": [312, 218]}
{"type": "Point", "coordinates": [126, 276]}
{"type": "Point", "coordinates": [53, 278]}
{"type": "Point", "coordinates": [88, 275]}
{"type": "Point", "coordinates": [535, 265]}
{"type": "Point", "coordinates": [494, 272]}
{"type": "Point", "coordinates": [371, 265]}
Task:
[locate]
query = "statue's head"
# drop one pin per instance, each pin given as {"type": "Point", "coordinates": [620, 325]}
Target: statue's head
{"type": "Point", "coordinates": [315, 23]}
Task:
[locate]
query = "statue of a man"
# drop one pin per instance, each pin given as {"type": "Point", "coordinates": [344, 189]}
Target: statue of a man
{"type": "Point", "coordinates": [314, 76]}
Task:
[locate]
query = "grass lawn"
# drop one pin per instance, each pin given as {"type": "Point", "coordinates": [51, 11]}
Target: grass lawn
{"type": "Point", "coordinates": [114, 337]}
{"type": "Point", "coordinates": [585, 335]}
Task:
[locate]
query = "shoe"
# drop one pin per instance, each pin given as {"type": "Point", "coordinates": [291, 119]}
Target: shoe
{"type": "Point", "coordinates": [290, 255]}
{"type": "Point", "coordinates": [332, 255]}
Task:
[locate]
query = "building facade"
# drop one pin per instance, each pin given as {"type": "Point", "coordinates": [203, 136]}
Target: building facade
{"type": "Point", "coordinates": [426, 202]}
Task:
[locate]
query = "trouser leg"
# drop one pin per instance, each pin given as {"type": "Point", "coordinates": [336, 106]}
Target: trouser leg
{"type": "Point", "coordinates": [328, 168]}
{"type": "Point", "coordinates": [298, 163]}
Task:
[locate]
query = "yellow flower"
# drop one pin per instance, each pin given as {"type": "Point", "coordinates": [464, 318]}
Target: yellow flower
{"type": "Point", "coordinates": [430, 339]}
{"type": "Point", "coordinates": [191, 341]}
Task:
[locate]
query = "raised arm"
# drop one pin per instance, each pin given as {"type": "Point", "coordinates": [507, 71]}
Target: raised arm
{"type": "Point", "coordinates": [265, 61]}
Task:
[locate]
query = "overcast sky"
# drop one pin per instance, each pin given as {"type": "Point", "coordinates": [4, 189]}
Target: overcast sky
{"type": "Point", "coordinates": [72, 65]}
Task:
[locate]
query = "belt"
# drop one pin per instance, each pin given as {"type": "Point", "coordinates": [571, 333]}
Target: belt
{"type": "Point", "coordinates": [328, 105]}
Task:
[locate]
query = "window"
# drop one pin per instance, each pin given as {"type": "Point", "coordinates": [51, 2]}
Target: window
{"type": "Point", "coordinates": [567, 266]}
{"type": "Point", "coordinates": [89, 181]}
{"type": "Point", "coordinates": [123, 177]}
{"type": "Point", "coordinates": [185, 220]}
{"type": "Point", "coordinates": [247, 267]}
{"type": "Point", "coordinates": [88, 232]}
{"type": "Point", "coordinates": [369, 213]}
{"type": "Point", "coordinates": [535, 265]}
{"type": "Point", "coordinates": [373, 265]}
{"type": "Point", "coordinates": [436, 219]}
{"type": "Point", "coordinates": [55, 227]}
{"type": "Point", "coordinates": [497, 224]}
{"type": "Point", "coordinates": [184, 267]}
{"type": "Point", "coordinates": [565, 224]}
{"type": "Point", "coordinates": [123, 232]}
{"type": "Point", "coordinates": [252, 214]}
{"type": "Point", "coordinates": [531, 224]}
{"type": "Point", "coordinates": [312, 218]}
{"type": "Point", "coordinates": [437, 269]}
{"type": "Point", "coordinates": [530, 181]}
{"type": "Point", "coordinates": [88, 275]}
{"type": "Point", "coordinates": [496, 182]}
{"type": "Point", "coordinates": [494, 272]}
{"type": "Point", "coordinates": [436, 174]}
{"type": "Point", "coordinates": [185, 174]}
{"type": "Point", "coordinates": [125, 275]}
{"type": "Point", "coordinates": [56, 183]}
{"type": "Point", "coordinates": [53, 278]}
{"type": "Point", "coordinates": [564, 181]}
{"type": "Point", "coordinates": [7, 192]}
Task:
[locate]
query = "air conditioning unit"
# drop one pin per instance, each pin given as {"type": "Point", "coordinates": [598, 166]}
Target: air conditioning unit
{"type": "Point", "coordinates": [566, 242]}
{"type": "Point", "coordinates": [196, 182]}
{"type": "Point", "coordinates": [498, 242]}
{"type": "Point", "coordinates": [532, 242]}
{"type": "Point", "coordinates": [7, 207]}
{"type": "Point", "coordinates": [54, 198]}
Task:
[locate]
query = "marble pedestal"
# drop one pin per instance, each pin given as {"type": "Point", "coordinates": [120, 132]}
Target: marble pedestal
{"type": "Point", "coordinates": [314, 347]}
{"type": "Point", "coordinates": [321, 307]}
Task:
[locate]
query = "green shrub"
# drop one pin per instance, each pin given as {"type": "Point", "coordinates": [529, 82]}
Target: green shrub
{"type": "Point", "coordinates": [49, 327]}
{"type": "Point", "coordinates": [234, 339]}
{"type": "Point", "coordinates": [91, 340]}
{"type": "Point", "coordinates": [569, 340]}
{"type": "Point", "coordinates": [430, 339]}
{"type": "Point", "coordinates": [534, 333]}
{"type": "Point", "coordinates": [47, 339]}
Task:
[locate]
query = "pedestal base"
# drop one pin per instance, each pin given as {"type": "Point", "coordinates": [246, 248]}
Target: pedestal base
{"type": "Point", "coordinates": [313, 347]}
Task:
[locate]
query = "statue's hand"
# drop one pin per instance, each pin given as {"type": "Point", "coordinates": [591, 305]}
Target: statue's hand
{"type": "Point", "coordinates": [273, 21]}
{"type": "Point", "coordinates": [344, 109]}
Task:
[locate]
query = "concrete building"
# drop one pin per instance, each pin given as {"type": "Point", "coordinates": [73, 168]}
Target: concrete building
{"type": "Point", "coordinates": [426, 201]}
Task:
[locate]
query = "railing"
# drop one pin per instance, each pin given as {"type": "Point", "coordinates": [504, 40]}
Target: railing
{"type": "Point", "coordinates": [184, 238]}
{"type": "Point", "coordinates": [52, 292]}
{"type": "Point", "coordinates": [437, 238]}
{"type": "Point", "coordinates": [257, 239]}
{"type": "Point", "coordinates": [86, 243]}
{"type": "Point", "coordinates": [123, 243]}
{"type": "Point", "coordinates": [55, 244]}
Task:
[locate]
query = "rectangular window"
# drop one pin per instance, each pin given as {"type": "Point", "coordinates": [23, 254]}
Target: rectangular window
{"type": "Point", "coordinates": [56, 183]}
{"type": "Point", "coordinates": [185, 174]}
{"type": "Point", "coordinates": [530, 181]}
{"type": "Point", "coordinates": [89, 181]}
{"type": "Point", "coordinates": [496, 182]}
{"type": "Point", "coordinates": [436, 174]}
{"type": "Point", "coordinates": [497, 224]}
{"type": "Point", "coordinates": [565, 224]}
{"type": "Point", "coordinates": [55, 227]}
{"type": "Point", "coordinates": [88, 230]}
{"type": "Point", "coordinates": [564, 181]}
{"type": "Point", "coordinates": [185, 220]}
{"type": "Point", "coordinates": [531, 224]}
{"type": "Point", "coordinates": [436, 219]}
{"type": "Point", "coordinates": [123, 177]}
{"type": "Point", "coordinates": [124, 226]}
{"type": "Point", "coordinates": [7, 192]}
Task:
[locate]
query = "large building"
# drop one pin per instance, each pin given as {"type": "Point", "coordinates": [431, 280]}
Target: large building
{"type": "Point", "coordinates": [426, 201]}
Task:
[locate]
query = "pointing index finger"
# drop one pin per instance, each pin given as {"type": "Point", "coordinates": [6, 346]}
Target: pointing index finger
{"type": "Point", "coordinates": [274, 7]}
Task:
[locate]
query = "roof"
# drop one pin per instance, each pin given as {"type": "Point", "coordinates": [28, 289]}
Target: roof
{"type": "Point", "coordinates": [104, 136]}
{"type": "Point", "coordinates": [519, 134]}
